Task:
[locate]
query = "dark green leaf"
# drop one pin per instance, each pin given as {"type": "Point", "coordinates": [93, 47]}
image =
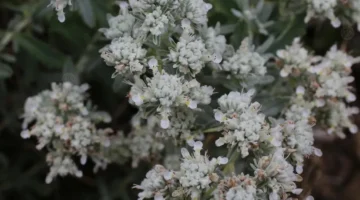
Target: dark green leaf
{"type": "Point", "coordinates": [5, 71]}
{"type": "Point", "coordinates": [87, 12]}
{"type": "Point", "coordinates": [41, 51]}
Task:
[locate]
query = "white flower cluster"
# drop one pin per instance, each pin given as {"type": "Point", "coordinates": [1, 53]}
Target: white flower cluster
{"type": "Point", "coordinates": [323, 8]}
{"type": "Point", "coordinates": [295, 58]}
{"type": "Point", "coordinates": [183, 127]}
{"type": "Point", "coordinates": [126, 54]}
{"type": "Point", "coordinates": [156, 184]}
{"type": "Point", "coordinates": [236, 188]}
{"type": "Point", "coordinates": [296, 137]}
{"type": "Point", "coordinates": [190, 54]}
{"type": "Point", "coordinates": [167, 43]}
{"type": "Point", "coordinates": [245, 62]}
{"type": "Point", "coordinates": [59, 6]}
{"type": "Point", "coordinates": [195, 10]}
{"type": "Point", "coordinates": [334, 75]}
{"type": "Point", "coordinates": [340, 118]}
{"type": "Point", "coordinates": [215, 43]}
{"type": "Point", "coordinates": [197, 173]}
{"type": "Point", "coordinates": [323, 86]}
{"type": "Point", "coordinates": [244, 126]}
{"type": "Point", "coordinates": [330, 8]}
{"type": "Point", "coordinates": [166, 92]}
{"type": "Point", "coordinates": [140, 144]}
{"type": "Point", "coordinates": [279, 175]}
{"type": "Point", "coordinates": [65, 125]}
{"type": "Point", "coordinates": [120, 25]}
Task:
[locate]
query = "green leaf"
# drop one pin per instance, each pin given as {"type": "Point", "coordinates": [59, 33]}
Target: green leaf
{"type": "Point", "coordinates": [5, 71]}
{"type": "Point", "coordinates": [87, 12]}
{"type": "Point", "coordinates": [41, 51]}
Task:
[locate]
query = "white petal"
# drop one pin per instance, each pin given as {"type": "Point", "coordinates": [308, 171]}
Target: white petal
{"type": "Point", "coordinates": [219, 142]}
{"type": "Point", "coordinates": [165, 123]}
{"type": "Point", "coordinates": [297, 191]}
{"type": "Point", "coordinates": [208, 6]}
{"type": "Point", "coordinates": [274, 196]}
{"type": "Point", "coordinates": [25, 134]}
{"type": "Point", "coordinates": [153, 63]}
{"type": "Point", "coordinates": [83, 159]}
{"type": "Point", "coordinates": [336, 23]}
{"type": "Point", "coordinates": [123, 4]}
{"type": "Point", "coordinates": [216, 58]}
{"type": "Point", "coordinates": [137, 100]}
{"type": "Point", "coordinates": [300, 90]}
{"type": "Point", "coordinates": [198, 145]}
{"type": "Point", "coordinates": [192, 104]}
{"type": "Point", "coordinates": [283, 73]}
{"type": "Point", "coordinates": [168, 175]}
{"type": "Point", "coordinates": [280, 53]}
{"type": "Point", "coordinates": [158, 197]}
{"type": "Point", "coordinates": [185, 23]}
{"type": "Point", "coordinates": [61, 16]}
{"type": "Point", "coordinates": [309, 198]}
{"type": "Point", "coordinates": [353, 129]}
{"type": "Point", "coordinates": [219, 116]}
{"type": "Point", "coordinates": [330, 131]}
{"type": "Point", "coordinates": [299, 169]}
{"type": "Point", "coordinates": [320, 102]}
{"type": "Point", "coordinates": [79, 174]}
{"type": "Point", "coordinates": [350, 97]}
{"type": "Point", "coordinates": [223, 160]}
{"type": "Point", "coordinates": [48, 179]}
{"type": "Point", "coordinates": [318, 152]}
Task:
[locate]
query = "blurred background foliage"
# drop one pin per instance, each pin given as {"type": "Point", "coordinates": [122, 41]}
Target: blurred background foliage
{"type": "Point", "coordinates": [36, 49]}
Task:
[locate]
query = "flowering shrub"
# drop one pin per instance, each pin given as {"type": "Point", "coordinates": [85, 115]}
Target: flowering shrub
{"type": "Point", "coordinates": [252, 98]}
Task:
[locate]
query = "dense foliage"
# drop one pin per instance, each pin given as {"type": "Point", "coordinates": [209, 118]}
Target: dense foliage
{"type": "Point", "coordinates": [171, 99]}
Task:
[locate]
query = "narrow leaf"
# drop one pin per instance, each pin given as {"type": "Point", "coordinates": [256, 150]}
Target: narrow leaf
{"type": "Point", "coordinates": [41, 51]}
{"type": "Point", "coordinates": [87, 12]}
{"type": "Point", "coordinates": [5, 71]}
